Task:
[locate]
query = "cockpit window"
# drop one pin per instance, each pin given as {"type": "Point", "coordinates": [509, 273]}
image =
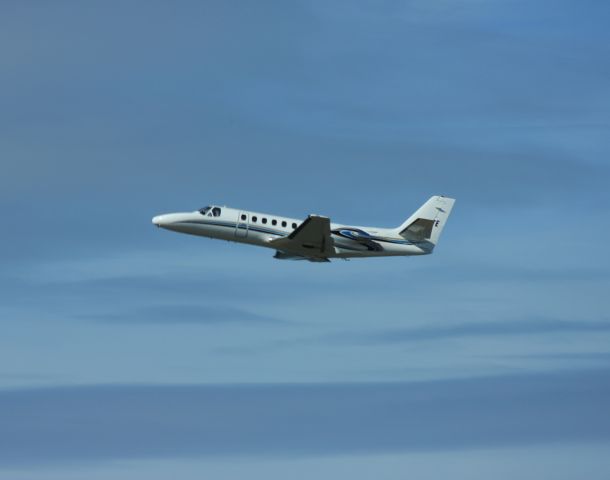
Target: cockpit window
{"type": "Point", "coordinates": [204, 210]}
{"type": "Point", "coordinates": [216, 211]}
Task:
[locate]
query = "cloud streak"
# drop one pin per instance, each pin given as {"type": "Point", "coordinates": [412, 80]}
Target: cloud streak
{"type": "Point", "coordinates": [191, 314]}
{"type": "Point", "coordinates": [114, 421]}
{"type": "Point", "coordinates": [431, 333]}
{"type": "Point", "coordinates": [480, 329]}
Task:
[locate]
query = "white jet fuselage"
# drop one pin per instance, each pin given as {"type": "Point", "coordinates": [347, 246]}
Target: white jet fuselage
{"type": "Point", "coordinates": [348, 241]}
{"type": "Point", "coordinates": [316, 238]}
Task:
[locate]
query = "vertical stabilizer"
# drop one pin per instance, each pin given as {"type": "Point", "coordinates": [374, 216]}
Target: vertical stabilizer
{"type": "Point", "coordinates": [427, 223]}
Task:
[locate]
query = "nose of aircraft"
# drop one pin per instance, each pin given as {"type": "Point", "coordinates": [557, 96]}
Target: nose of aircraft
{"type": "Point", "coordinates": [161, 220]}
{"type": "Point", "coordinates": [169, 220]}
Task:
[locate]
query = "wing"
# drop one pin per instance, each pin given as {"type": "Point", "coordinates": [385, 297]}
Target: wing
{"type": "Point", "coordinates": [310, 239]}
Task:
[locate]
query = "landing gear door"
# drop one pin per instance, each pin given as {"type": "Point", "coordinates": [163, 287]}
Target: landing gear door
{"type": "Point", "coordinates": [243, 222]}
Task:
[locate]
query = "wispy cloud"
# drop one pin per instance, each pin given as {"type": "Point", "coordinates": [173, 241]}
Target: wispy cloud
{"type": "Point", "coordinates": [569, 356]}
{"type": "Point", "coordinates": [430, 333]}
{"type": "Point", "coordinates": [476, 329]}
{"type": "Point", "coordinates": [192, 314]}
{"type": "Point", "coordinates": [113, 422]}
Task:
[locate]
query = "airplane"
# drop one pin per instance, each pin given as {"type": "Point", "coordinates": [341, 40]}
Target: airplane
{"type": "Point", "coordinates": [315, 239]}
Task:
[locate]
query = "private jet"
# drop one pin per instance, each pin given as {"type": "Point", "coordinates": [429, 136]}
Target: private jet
{"type": "Point", "coordinates": [315, 239]}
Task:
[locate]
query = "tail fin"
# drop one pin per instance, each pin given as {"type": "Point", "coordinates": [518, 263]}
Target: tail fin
{"type": "Point", "coordinates": [426, 224]}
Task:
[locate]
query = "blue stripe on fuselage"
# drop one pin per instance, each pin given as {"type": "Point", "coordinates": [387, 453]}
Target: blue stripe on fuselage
{"type": "Point", "coordinates": [272, 231]}
{"type": "Point", "coordinates": [240, 225]}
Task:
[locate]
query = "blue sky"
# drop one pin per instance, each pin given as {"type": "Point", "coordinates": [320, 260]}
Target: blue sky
{"type": "Point", "coordinates": [131, 352]}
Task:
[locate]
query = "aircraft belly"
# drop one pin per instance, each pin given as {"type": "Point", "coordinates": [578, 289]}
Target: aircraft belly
{"type": "Point", "coordinates": [349, 245]}
{"type": "Point", "coordinates": [222, 232]}
{"type": "Point", "coordinates": [190, 228]}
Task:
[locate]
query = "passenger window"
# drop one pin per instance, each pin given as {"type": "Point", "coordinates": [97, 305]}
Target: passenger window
{"type": "Point", "coordinates": [264, 220]}
{"type": "Point", "coordinates": [216, 211]}
{"type": "Point", "coordinates": [274, 222]}
{"type": "Point", "coordinates": [254, 219]}
{"type": "Point", "coordinates": [283, 224]}
{"type": "Point", "coordinates": [294, 225]}
{"type": "Point", "coordinates": [243, 217]}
